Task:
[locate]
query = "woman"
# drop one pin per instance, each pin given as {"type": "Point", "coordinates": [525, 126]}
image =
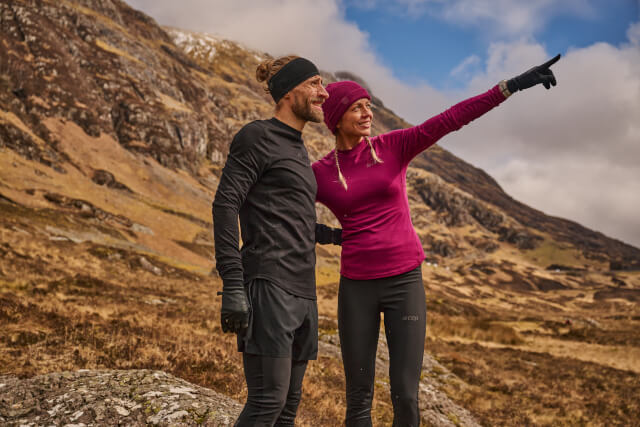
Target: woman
{"type": "Point", "coordinates": [363, 182]}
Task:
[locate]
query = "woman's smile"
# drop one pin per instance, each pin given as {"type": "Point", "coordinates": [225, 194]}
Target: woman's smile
{"type": "Point", "coordinates": [365, 124]}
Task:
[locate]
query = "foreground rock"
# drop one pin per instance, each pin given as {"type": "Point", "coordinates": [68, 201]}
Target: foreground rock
{"type": "Point", "coordinates": [110, 398]}
{"type": "Point", "coordinates": [143, 397]}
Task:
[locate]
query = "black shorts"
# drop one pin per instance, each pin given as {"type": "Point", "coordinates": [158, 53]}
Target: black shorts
{"type": "Point", "coordinates": [280, 324]}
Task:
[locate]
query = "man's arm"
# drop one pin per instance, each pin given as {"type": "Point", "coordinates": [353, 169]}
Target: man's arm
{"type": "Point", "coordinates": [244, 166]}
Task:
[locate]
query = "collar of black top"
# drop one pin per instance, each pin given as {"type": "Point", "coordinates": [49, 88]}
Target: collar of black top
{"type": "Point", "coordinates": [290, 76]}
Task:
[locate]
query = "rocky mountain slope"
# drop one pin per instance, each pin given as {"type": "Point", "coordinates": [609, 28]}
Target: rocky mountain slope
{"type": "Point", "coordinates": [113, 133]}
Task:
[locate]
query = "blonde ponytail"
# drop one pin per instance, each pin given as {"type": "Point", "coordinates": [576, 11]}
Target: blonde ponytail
{"type": "Point", "coordinates": [340, 176]}
{"type": "Point", "coordinates": [373, 151]}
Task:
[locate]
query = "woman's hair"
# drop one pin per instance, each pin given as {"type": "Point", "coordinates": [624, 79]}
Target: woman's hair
{"type": "Point", "coordinates": [270, 67]}
{"type": "Point", "coordinates": [374, 155]}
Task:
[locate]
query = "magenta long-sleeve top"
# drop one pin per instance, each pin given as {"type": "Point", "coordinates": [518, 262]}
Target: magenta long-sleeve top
{"type": "Point", "coordinates": [378, 238]}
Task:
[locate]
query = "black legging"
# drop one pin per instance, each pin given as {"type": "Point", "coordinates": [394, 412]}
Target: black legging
{"type": "Point", "coordinates": [402, 300]}
{"type": "Point", "coordinates": [275, 386]}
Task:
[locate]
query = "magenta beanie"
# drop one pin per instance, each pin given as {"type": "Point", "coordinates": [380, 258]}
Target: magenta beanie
{"type": "Point", "coordinates": [341, 96]}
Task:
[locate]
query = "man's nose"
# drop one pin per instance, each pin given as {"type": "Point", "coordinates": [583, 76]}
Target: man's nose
{"type": "Point", "coordinates": [323, 93]}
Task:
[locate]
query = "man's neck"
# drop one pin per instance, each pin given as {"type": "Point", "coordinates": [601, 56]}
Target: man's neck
{"type": "Point", "coordinates": [289, 118]}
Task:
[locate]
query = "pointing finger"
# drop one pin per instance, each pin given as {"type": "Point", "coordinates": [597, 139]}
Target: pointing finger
{"type": "Point", "coordinates": [550, 62]}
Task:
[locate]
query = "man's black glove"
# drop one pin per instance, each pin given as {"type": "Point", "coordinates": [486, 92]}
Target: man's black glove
{"type": "Point", "coordinates": [539, 74]}
{"type": "Point", "coordinates": [326, 235]}
{"type": "Point", "coordinates": [337, 236]}
{"type": "Point", "coordinates": [234, 315]}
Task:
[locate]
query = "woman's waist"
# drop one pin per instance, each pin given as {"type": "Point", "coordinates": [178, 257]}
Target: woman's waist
{"type": "Point", "coordinates": [374, 264]}
{"type": "Point", "coordinates": [392, 232]}
{"type": "Point", "coordinates": [379, 247]}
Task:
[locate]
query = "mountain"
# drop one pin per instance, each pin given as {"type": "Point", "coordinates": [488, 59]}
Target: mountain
{"type": "Point", "coordinates": [113, 134]}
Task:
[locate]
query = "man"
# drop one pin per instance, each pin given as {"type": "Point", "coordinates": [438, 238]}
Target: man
{"type": "Point", "coordinates": [268, 295]}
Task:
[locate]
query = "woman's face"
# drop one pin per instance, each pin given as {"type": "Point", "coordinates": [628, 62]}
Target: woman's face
{"type": "Point", "coordinates": [356, 121]}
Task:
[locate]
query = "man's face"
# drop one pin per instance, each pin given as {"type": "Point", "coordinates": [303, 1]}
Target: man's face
{"type": "Point", "coordinates": [307, 99]}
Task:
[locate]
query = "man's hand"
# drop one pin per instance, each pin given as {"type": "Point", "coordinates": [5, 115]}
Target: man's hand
{"type": "Point", "coordinates": [326, 235]}
{"type": "Point", "coordinates": [234, 315]}
{"type": "Point", "coordinates": [337, 236]}
{"type": "Point", "coordinates": [536, 75]}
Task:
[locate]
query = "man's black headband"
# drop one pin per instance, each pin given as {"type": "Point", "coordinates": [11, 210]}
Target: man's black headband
{"type": "Point", "coordinates": [290, 76]}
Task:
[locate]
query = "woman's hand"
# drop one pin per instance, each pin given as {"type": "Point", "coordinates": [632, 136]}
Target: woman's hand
{"type": "Point", "coordinates": [536, 75]}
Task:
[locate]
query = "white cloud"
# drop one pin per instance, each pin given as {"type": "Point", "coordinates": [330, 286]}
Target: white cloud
{"type": "Point", "coordinates": [633, 33]}
{"type": "Point", "coordinates": [511, 17]}
{"type": "Point", "coordinates": [590, 190]}
{"type": "Point", "coordinates": [570, 151]}
{"type": "Point", "coordinates": [514, 18]}
{"type": "Point", "coordinates": [316, 29]}
{"type": "Point", "coordinates": [468, 64]}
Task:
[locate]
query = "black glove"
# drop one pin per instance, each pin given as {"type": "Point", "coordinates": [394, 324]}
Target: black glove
{"type": "Point", "coordinates": [337, 236]}
{"type": "Point", "coordinates": [234, 315]}
{"type": "Point", "coordinates": [326, 235]}
{"type": "Point", "coordinates": [539, 74]}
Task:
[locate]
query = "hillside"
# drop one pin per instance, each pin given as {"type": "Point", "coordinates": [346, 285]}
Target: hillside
{"type": "Point", "coordinates": [113, 133]}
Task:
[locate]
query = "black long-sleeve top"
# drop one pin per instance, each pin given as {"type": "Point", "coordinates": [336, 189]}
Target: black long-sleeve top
{"type": "Point", "coordinates": [268, 181]}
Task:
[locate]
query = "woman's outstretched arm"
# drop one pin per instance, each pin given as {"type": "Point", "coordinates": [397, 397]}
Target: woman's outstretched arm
{"type": "Point", "coordinates": [414, 140]}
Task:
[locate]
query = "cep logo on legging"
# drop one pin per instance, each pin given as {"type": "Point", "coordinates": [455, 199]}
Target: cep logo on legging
{"type": "Point", "coordinates": [410, 317]}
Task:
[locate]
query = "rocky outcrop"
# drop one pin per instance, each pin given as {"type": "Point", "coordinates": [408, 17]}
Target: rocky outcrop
{"type": "Point", "coordinates": [112, 398]}
{"type": "Point", "coordinates": [88, 210]}
{"type": "Point", "coordinates": [110, 69]}
{"type": "Point", "coordinates": [103, 177]}
{"type": "Point", "coordinates": [457, 208]}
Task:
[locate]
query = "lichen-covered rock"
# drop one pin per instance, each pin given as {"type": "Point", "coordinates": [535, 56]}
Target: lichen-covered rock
{"type": "Point", "coordinates": [111, 398]}
{"type": "Point", "coordinates": [145, 397]}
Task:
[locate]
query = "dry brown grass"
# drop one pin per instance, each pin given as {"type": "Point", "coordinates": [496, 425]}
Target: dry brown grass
{"type": "Point", "coordinates": [514, 387]}
{"type": "Point", "coordinates": [472, 329]}
{"type": "Point", "coordinates": [134, 320]}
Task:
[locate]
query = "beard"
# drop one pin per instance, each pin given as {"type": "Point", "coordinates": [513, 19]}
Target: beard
{"type": "Point", "coordinates": [302, 108]}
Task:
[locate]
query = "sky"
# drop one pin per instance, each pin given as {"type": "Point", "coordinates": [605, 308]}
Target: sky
{"type": "Point", "coordinates": [572, 151]}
